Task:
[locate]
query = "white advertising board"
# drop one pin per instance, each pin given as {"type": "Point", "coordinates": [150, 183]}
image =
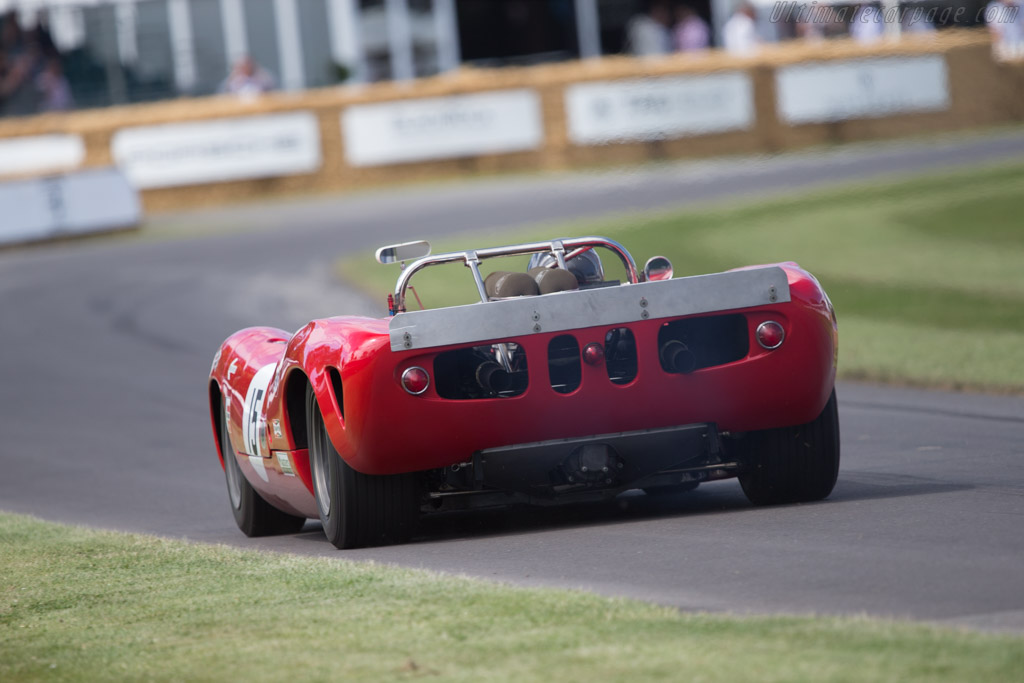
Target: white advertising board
{"type": "Point", "coordinates": [86, 201]}
{"type": "Point", "coordinates": [40, 154]}
{"type": "Point", "coordinates": [657, 108]}
{"type": "Point", "coordinates": [218, 150]}
{"type": "Point", "coordinates": [442, 127]}
{"type": "Point", "coordinates": [862, 88]}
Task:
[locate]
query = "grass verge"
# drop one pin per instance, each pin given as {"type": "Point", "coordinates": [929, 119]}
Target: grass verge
{"type": "Point", "coordinates": [926, 273]}
{"type": "Point", "coordinates": [86, 605]}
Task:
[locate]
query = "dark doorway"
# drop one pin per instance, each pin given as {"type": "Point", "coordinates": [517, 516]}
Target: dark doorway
{"type": "Point", "coordinates": [511, 32]}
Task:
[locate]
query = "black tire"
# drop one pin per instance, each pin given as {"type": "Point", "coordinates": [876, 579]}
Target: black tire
{"type": "Point", "coordinates": [356, 509]}
{"type": "Point", "coordinates": [253, 515]}
{"type": "Point", "coordinates": [793, 464]}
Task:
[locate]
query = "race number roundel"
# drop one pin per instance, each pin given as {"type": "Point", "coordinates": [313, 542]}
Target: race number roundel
{"type": "Point", "coordinates": [254, 425]}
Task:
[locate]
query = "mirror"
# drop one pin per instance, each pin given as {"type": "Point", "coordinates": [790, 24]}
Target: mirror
{"type": "Point", "coordinates": [657, 268]}
{"type": "Point", "coordinates": [400, 253]}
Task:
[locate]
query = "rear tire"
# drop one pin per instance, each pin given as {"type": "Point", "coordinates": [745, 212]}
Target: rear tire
{"type": "Point", "coordinates": [356, 509]}
{"type": "Point", "coordinates": [793, 464]}
{"type": "Point", "coordinates": [253, 515]}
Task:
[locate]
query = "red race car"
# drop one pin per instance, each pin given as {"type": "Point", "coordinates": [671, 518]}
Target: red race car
{"type": "Point", "coordinates": [558, 385]}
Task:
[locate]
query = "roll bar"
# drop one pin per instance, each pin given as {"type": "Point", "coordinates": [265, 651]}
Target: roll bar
{"type": "Point", "coordinates": [562, 250]}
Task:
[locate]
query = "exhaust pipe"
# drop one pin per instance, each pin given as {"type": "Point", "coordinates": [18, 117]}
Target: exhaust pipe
{"type": "Point", "coordinates": [491, 377]}
{"type": "Point", "coordinates": [676, 357]}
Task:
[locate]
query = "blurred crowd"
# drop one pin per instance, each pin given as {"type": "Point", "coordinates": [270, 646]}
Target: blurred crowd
{"type": "Point", "coordinates": [31, 71]}
{"type": "Point", "coordinates": [666, 26]}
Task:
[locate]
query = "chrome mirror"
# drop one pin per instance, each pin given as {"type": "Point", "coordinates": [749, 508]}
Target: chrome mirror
{"type": "Point", "coordinates": [657, 268]}
{"type": "Point", "coordinates": [400, 253]}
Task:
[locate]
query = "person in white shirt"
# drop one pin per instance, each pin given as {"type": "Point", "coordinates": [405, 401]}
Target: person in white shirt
{"type": "Point", "coordinates": [691, 33]}
{"type": "Point", "coordinates": [916, 21]}
{"type": "Point", "coordinates": [1006, 26]}
{"type": "Point", "coordinates": [648, 33]}
{"type": "Point", "coordinates": [867, 25]}
{"type": "Point", "coordinates": [247, 79]}
{"type": "Point", "coordinates": [740, 33]}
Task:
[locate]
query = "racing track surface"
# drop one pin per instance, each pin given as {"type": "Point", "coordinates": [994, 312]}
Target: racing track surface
{"type": "Point", "coordinates": [106, 346]}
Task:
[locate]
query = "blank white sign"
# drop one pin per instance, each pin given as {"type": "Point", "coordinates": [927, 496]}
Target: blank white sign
{"type": "Point", "coordinates": [442, 127]}
{"type": "Point", "coordinates": [218, 150]}
{"type": "Point", "coordinates": [862, 88]}
{"type": "Point", "coordinates": [40, 154]}
{"type": "Point", "coordinates": [656, 108]}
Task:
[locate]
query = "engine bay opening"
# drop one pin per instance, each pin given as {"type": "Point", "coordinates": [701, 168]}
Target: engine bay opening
{"type": "Point", "coordinates": [690, 344]}
{"type": "Point", "coordinates": [488, 371]}
{"type": "Point", "coordinates": [620, 355]}
{"type": "Point", "coordinates": [564, 364]}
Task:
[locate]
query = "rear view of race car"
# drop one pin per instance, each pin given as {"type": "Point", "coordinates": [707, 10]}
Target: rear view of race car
{"type": "Point", "coordinates": [552, 388]}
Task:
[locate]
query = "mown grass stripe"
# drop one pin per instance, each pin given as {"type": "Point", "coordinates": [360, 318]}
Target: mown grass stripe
{"type": "Point", "coordinates": [82, 605]}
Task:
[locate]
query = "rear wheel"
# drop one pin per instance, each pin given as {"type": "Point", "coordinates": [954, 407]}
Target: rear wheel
{"type": "Point", "coordinates": [357, 509]}
{"type": "Point", "coordinates": [253, 515]}
{"type": "Point", "coordinates": [793, 464]}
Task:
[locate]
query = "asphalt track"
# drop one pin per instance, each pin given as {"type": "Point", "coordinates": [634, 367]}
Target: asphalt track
{"type": "Point", "coordinates": [106, 347]}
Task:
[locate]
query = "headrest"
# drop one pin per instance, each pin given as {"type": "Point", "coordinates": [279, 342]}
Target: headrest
{"type": "Point", "coordinates": [502, 283]}
{"type": "Point", "coordinates": [553, 280]}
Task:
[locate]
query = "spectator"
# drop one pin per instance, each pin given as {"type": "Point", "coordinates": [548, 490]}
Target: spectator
{"type": "Point", "coordinates": [54, 89]}
{"type": "Point", "coordinates": [22, 59]}
{"type": "Point", "coordinates": [811, 26]}
{"type": "Point", "coordinates": [3, 71]}
{"type": "Point", "coordinates": [691, 33]}
{"type": "Point", "coordinates": [740, 32]}
{"type": "Point", "coordinates": [247, 79]}
{"type": "Point", "coordinates": [867, 25]}
{"type": "Point", "coordinates": [1006, 27]}
{"type": "Point", "coordinates": [648, 33]}
{"type": "Point", "coordinates": [916, 21]}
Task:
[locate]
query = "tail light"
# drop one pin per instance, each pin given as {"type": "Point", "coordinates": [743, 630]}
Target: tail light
{"type": "Point", "coordinates": [593, 353]}
{"type": "Point", "coordinates": [770, 334]}
{"type": "Point", "coordinates": [415, 380]}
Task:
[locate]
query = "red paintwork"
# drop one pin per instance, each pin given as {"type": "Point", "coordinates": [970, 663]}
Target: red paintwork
{"type": "Point", "coordinates": [386, 430]}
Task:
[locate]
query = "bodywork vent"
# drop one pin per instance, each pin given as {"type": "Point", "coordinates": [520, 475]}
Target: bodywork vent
{"type": "Point", "coordinates": [480, 372]}
{"type": "Point", "coordinates": [564, 364]}
{"type": "Point", "coordinates": [620, 355]}
{"type": "Point", "coordinates": [713, 340]}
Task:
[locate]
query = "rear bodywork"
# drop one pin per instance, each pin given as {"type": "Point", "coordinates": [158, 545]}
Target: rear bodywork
{"type": "Point", "coordinates": [557, 426]}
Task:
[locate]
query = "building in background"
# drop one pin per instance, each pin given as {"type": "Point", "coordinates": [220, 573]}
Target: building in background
{"type": "Point", "coordinates": [118, 51]}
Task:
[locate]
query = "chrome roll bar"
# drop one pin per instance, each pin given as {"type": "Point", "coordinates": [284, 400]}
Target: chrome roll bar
{"type": "Point", "coordinates": [562, 250]}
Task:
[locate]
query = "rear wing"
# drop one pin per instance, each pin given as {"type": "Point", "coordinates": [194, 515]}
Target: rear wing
{"type": "Point", "coordinates": [511, 318]}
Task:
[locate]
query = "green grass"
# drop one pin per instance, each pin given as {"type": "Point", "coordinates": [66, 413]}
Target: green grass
{"type": "Point", "coordinates": [84, 605]}
{"type": "Point", "coordinates": [926, 273]}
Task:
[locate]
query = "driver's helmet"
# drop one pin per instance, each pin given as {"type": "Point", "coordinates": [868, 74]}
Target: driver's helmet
{"type": "Point", "coordinates": [586, 267]}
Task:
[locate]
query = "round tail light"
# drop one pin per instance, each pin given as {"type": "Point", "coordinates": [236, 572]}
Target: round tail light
{"type": "Point", "coordinates": [415, 380]}
{"type": "Point", "coordinates": [593, 353]}
{"type": "Point", "coordinates": [770, 334]}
